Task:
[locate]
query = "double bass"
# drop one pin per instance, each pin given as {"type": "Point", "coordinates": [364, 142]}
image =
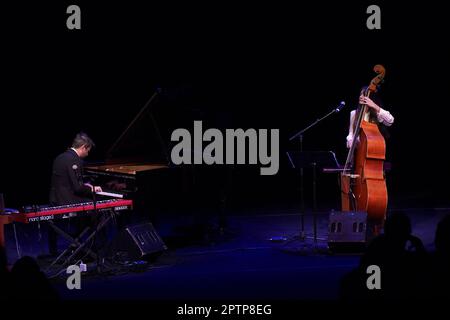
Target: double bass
{"type": "Point", "coordinates": [363, 184]}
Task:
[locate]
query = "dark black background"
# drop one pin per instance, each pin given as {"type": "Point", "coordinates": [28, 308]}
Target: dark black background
{"type": "Point", "coordinates": [258, 65]}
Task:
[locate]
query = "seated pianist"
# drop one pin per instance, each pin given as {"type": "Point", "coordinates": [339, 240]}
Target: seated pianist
{"type": "Point", "coordinates": [67, 186]}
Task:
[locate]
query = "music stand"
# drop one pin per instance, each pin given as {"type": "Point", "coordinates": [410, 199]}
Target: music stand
{"type": "Point", "coordinates": [314, 160]}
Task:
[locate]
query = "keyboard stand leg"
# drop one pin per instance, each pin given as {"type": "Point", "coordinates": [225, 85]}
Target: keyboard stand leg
{"type": "Point", "coordinates": [74, 242]}
{"type": "Point", "coordinates": [100, 226]}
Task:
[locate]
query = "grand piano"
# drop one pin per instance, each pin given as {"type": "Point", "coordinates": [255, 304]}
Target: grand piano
{"type": "Point", "coordinates": [137, 164]}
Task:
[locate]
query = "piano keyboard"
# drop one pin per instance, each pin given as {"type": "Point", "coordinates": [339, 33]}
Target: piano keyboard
{"type": "Point", "coordinates": [34, 214]}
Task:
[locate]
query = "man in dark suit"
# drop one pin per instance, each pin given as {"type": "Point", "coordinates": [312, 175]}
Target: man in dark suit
{"type": "Point", "coordinates": [67, 186]}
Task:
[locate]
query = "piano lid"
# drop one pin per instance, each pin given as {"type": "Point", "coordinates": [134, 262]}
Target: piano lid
{"type": "Point", "coordinates": [126, 168]}
{"type": "Point", "coordinates": [141, 143]}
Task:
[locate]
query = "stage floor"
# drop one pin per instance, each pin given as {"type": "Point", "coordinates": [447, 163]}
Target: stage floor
{"type": "Point", "coordinates": [249, 260]}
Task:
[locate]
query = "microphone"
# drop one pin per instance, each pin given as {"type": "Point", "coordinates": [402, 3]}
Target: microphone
{"type": "Point", "coordinates": [341, 105]}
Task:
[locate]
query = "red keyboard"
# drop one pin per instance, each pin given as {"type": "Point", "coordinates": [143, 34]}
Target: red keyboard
{"type": "Point", "coordinates": [35, 214]}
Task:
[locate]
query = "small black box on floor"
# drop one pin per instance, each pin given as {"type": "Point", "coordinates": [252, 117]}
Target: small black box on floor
{"type": "Point", "coordinates": [139, 242]}
{"type": "Point", "coordinates": [347, 231]}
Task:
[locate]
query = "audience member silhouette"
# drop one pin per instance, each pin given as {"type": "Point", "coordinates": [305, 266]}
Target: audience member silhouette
{"type": "Point", "coordinates": [28, 282]}
{"type": "Point", "coordinates": [403, 263]}
{"type": "Point", "coordinates": [440, 275]}
{"type": "Point", "coordinates": [4, 275]}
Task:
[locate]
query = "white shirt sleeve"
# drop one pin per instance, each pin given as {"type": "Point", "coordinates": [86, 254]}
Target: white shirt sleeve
{"type": "Point", "coordinates": [385, 117]}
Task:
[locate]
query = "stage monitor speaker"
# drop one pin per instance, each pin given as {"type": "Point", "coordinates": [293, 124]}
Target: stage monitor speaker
{"type": "Point", "coordinates": [347, 231]}
{"type": "Point", "coordinates": [140, 242]}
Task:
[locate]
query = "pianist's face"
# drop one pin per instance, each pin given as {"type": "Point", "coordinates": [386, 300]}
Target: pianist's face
{"type": "Point", "coordinates": [84, 151]}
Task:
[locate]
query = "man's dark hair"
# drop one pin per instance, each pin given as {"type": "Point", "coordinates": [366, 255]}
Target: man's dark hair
{"type": "Point", "coordinates": [82, 139]}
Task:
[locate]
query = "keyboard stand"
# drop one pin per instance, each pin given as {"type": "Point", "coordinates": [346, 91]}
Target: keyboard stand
{"type": "Point", "coordinates": [74, 242]}
{"type": "Point", "coordinates": [105, 217]}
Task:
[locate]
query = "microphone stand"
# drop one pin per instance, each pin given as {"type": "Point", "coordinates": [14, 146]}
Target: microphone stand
{"type": "Point", "coordinates": [96, 217]}
{"type": "Point", "coordinates": [299, 135]}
